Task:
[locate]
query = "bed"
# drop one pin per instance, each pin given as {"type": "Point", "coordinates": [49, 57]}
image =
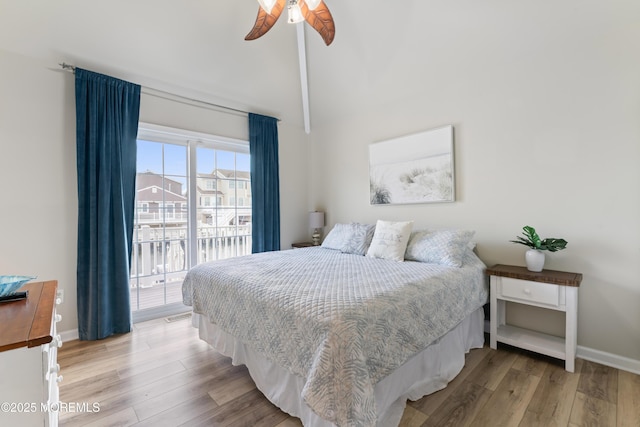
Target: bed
{"type": "Point", "coordinates": [338, 338]}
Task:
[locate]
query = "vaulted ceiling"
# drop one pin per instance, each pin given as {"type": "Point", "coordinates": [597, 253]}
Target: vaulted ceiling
{"type": "Point", "coordinates": [383, 51]}
{"type": "Point", "coordinates": [197, 48]}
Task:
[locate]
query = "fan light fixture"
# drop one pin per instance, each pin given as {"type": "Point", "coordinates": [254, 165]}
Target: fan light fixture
{"type": "Point", "coordinates": [315, 12]}
{"type": "Point", "coordinates": [295, 14]}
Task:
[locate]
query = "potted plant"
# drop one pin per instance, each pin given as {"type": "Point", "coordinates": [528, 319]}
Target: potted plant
{"type": "Point", "coordinates": [534, 257]}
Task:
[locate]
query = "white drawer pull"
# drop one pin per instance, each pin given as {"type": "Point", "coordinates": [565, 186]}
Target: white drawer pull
{"type": "Point", "coordinates": [57, 341]}
{"type": "Point", "coordinates": [59, 379]}
{"type": "Point", "coordinates": [527, 291]}
{"type": "Point", "coordinates": [58, 301]}
{"type": "Point", "coordinates": [55, 369]}
{"type": "Point", "coordinates": [58, 317]}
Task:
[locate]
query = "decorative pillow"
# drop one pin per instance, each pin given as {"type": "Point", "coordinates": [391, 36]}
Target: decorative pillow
{"type": "Point", "coordinates": [390, 240]}
{"type": "Point", "coordinates": [337, 237]}
{"type": "Point", "coordinates": [445, 247]}
{"type": "Point", "coordinates": [359, 240]}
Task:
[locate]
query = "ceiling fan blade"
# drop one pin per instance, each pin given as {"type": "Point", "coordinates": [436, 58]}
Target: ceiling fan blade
{"type": "Point", "coordinates": [265, 20]}
{"type": "Point", "coordinates": [320, 19]}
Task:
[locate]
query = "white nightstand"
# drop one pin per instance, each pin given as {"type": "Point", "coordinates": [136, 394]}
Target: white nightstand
{"type": "Point", "coordinates": [554, 290]}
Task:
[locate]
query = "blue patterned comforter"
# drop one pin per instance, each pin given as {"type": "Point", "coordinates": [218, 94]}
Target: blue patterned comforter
{"type": "Point", "coordinates": [343, 322]}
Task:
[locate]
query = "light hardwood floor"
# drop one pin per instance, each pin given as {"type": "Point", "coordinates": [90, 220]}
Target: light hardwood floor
{"type": "Point", "coordinates": [161, 374]}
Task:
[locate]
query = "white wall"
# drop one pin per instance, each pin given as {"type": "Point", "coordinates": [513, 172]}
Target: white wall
{"type": "Point", "coordinates": [38, 170]}
{"type": "Point", "coordinates": [38, 174]}
{"type": "Point", "coordinates": [547, 133]}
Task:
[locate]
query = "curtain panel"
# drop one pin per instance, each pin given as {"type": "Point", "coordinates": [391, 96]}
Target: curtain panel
{"type": "Point", "coordinates": [265, 183]}
{"type": "Point", "coordinates": [107, 112]}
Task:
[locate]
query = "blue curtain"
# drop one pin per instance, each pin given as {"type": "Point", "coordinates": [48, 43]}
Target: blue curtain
{"type": "Point", "coordinates": [107, 112]}
{"type": "Point", "coordinates": [265, 183]}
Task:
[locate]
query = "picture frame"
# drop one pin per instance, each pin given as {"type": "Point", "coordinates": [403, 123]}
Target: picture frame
{"type": "Point", "coordinates": [417, 168]}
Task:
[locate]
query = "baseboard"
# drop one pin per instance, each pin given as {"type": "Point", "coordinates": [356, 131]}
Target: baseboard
{"type": "Point", "coordinates": [598, 356]}
{"type": "Point", "coordinates": [69, 335]}
{"type": "Point", "coordinates": [608, 359]}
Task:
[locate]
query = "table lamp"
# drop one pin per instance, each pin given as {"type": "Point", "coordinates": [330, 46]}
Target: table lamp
{"type": "Point", "coordinates": [316, 221]}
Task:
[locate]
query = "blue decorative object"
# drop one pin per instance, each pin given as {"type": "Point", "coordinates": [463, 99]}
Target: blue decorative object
{"type": "Point", "coordinates": [10, 284]}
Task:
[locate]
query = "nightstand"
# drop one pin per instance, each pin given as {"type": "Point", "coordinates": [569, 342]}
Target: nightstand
{"type": "Point", "coordinates": [302, 245]}
{"type": "Point", "coordinates": [553, 290]}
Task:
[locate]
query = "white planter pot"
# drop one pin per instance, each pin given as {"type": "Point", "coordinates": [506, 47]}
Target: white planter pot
{"type": "Point", "coordinates": [534, 259]}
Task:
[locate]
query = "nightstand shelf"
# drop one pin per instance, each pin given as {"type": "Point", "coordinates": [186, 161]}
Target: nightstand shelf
{"type": "Point", "coordinates": [553, 290]}
{"type": "Point", "coordinates": [532, 340]}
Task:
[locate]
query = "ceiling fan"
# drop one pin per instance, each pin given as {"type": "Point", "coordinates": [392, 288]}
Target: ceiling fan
{"type": "Point", "coordinates": [315, 12]}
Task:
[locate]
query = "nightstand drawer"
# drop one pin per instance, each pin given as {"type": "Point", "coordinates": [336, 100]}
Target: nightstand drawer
{"type": "Point", "coordinates": [525, 290]}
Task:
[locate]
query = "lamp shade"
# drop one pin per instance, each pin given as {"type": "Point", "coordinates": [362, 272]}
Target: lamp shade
{"type": "Point", "coordinates": [316, 219]}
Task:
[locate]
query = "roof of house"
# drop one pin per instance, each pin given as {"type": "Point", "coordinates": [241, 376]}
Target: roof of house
{"type": "Point", "coordinates": [148, 195]}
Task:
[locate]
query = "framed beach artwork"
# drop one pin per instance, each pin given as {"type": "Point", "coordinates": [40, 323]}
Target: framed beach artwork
{"type": "Point", "coordinates": [415, 168]}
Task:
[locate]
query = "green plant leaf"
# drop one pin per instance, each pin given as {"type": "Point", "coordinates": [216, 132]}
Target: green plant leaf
{"type": "Point", "coordinates": [553, 244]}
{"type": "Point", "coordinates": [533, 240]}
{"type": "Point", "coordinates": [532, 236]}
{"type": "Point", "coordinates": [523, 241]}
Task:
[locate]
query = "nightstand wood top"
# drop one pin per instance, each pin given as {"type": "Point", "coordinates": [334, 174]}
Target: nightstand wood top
{"type": "Point", "coordinates": [302, 245]}
{"type": "Point", "coordinates": [562, 278]}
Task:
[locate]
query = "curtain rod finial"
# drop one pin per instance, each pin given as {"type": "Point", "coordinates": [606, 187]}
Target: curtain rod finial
{"type": "Point", "coordinates": [67, 67]}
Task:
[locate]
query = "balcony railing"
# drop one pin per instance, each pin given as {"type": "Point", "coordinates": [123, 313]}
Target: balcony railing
{"type": "Point", "coordinates": [160, 258]}
{"type": "Point", "coordinates": [159, 217]}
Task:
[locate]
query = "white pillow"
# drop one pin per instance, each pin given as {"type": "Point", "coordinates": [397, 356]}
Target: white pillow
{"type": "Point", "coordinates": [390, 240]}
{"type": "Point", "coordinates": [445, 247]}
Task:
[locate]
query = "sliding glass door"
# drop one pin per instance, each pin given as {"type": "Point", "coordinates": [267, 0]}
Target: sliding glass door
{"type": "Point", "coordinates": [193, 205]}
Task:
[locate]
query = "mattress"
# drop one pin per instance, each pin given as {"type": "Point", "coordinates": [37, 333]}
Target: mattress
{"type": "Point", "coordinates": [341, 322]}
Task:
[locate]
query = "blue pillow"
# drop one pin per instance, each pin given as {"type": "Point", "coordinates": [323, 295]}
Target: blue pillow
{"type": "Point", "coordinates": [358, 241]}
{"type": "Point", "coordinates": [444, 247]}
{"type": "Point", "coordinates": [350, 238]}
{"type": "Point", "coordinates": [337, 236]}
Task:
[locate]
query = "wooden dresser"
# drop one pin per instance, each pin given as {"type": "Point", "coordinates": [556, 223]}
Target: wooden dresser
{"type": "Point", "coordinates": [28, 358]}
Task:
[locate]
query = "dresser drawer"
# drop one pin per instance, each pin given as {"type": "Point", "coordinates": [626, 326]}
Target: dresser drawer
{"type": "Point", "coordinates": [525, 290]}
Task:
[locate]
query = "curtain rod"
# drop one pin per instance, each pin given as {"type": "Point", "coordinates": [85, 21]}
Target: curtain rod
{"type": "Point", "coordinates": [72, 68]}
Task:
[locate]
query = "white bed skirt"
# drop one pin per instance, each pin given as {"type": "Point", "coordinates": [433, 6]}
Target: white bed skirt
{"type": "Point", "coordinates": [427, 372]}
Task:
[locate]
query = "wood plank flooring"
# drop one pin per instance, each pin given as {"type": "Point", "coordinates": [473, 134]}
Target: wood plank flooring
{"type": "Point", "coordinates": [161, 374]}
